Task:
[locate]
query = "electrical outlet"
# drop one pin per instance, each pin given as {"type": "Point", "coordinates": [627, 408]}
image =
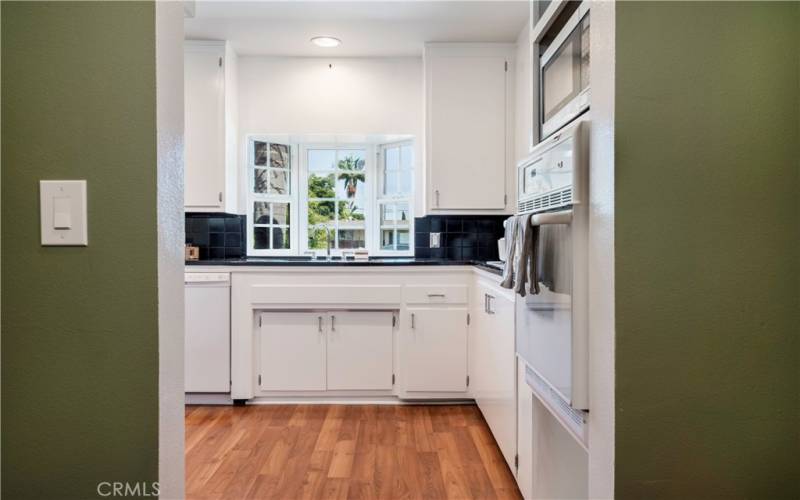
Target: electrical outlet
{"type": "Point", "coordinates": [436, 240]}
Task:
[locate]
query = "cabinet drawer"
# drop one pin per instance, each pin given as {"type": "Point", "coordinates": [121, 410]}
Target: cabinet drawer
{"type": "Point", "coordinates": [430, 294]}
{"type": "Point", "coordinates": [294, 295]}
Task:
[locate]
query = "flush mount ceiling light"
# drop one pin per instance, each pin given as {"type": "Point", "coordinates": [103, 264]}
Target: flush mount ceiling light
{"type": "Point", "coordinates": [326, 41]}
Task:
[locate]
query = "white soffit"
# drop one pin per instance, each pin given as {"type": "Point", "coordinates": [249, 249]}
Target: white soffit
{"type": "Point", "coordinates": [366, 28]}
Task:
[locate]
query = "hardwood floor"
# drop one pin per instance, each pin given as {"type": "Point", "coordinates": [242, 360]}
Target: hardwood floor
{"type": "Point", "coordinates": [337, 451]}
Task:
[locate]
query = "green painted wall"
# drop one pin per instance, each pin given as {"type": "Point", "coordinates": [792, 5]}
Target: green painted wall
{"type": "Point", "coordinates": [707, 250]}
{"type": "Point", "coordinates": [79, 325]}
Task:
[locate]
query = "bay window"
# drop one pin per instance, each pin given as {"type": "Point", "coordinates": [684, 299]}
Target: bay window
{"type": "Point", "coordinates": [305, 197]}
{"type": "Point", "coordinates": [396, 164]}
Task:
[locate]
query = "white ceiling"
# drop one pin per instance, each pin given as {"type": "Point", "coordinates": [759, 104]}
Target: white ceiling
{"type": "Point", "coordinates": [366, 28]}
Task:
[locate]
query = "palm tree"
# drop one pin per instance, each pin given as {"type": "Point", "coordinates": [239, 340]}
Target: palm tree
{"type": "Point", "coordinates": [353, 173]}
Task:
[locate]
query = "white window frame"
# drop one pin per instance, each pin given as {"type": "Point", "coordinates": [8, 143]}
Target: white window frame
{"type": "Point", "coordinates": [253, 197]}
{"type": "Point", "coordinates": [374, 158]}
{"type": "Point", "coordinates": [381, 199]}
{"type": "Point", "coordinates": [369, 196]}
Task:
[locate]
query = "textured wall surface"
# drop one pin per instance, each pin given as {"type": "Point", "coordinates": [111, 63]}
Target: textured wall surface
{"type": "Point", "coordinates": [707, 249]}
{"type": "Point", "coordinates": [79, 325]}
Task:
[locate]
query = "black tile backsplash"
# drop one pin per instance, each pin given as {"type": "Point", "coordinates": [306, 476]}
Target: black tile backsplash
{"type": "Point", "coordinates": [219, 236]}
{"type": "Point", "coordinates": [462, 237]}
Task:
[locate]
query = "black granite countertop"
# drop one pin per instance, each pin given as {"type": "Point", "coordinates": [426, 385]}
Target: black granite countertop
{"type": "Point", "coordinates": [374, 261]}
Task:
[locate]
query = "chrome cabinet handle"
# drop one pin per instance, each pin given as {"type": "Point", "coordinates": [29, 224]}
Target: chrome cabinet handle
{"type": "Point", "coordinates": [333, 323]}
{"type": "Point", "coordinates": [486, 302]}
{"type": "Point", "coordinates": [413, 325]}
{"type": "Point", "coordinates": [489, 299]}
{"type": "Point", "coordinates": [437, 197]}
{"type": "Point", "coordinates": [436, 295]}
{"type": "Point", "coordinates": [220, 196]}
{"type": "Point", "coordinates": [319, 326]}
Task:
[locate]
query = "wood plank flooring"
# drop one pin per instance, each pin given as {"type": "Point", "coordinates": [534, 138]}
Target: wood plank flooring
{"type": "Point", "coordinates": [342, 451]}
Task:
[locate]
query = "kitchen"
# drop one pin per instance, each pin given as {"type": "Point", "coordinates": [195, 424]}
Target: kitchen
{"type": "Point", "coordinates": [423, 249]}
{"type": "Point", "coordinates": [345, 249]}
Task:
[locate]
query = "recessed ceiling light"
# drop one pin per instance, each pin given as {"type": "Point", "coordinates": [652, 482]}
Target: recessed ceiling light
{"type": "Point", "coordinates": [326, 41]}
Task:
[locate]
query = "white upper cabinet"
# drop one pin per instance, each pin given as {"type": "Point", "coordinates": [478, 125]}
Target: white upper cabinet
{"type": "Point", "coordinates": [469, 124]}
{"type": "Point", "coordinates": [210, 127]}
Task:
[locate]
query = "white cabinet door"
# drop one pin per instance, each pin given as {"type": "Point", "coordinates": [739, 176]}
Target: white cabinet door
{"type": "Point", "coordinates": [360, 350]}
{"type": "Point", "coordinates": [204, 127]}
{"type": "Point", "coordinates": [524, 433]}
{"type": "Point", "coordinates": [466, 127]}
{"type": "Point", "coordinates": [477, 327]}
{"type": "Point", "coordinates": [433, 349]}
{"type": "Point", "coordinates": [207, 365]}
{"type": "Point", "coordinates": [496, 389]}
{"type": "Point", "coordinates": [292, 351]}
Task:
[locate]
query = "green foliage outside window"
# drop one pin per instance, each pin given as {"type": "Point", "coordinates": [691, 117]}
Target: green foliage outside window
{"type": "Point", "coordinates": [350, 170]}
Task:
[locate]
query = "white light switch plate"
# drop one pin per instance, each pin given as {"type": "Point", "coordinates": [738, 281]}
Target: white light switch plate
{"type": "Point", "coordinates": [63, 213]}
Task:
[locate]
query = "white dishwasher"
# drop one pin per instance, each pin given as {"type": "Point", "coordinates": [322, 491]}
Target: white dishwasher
{"type": "Point", "coordinates": [207, 365]}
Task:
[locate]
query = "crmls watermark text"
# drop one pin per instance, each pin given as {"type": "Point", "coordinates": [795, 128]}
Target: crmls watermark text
{"type": "Point", "coordinates": [126, 489]}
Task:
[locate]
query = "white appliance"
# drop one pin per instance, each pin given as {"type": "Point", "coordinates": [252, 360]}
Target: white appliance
{"type": "Point", "coordinates": [207, 365]}
{"type": "Point", "coordinates": [551, 326]}
{"type": "Point", "coordinates": [564, 68]}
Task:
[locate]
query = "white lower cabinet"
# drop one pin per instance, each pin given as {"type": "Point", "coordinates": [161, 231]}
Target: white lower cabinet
{"type": "Point", "coordinates": [433, 349]}
{"type": "Point", "coordinates": [292, 351]}
{"type": "Point", "coordinates": [492, 363]}
{"type": "Point", "coordinates": [327, 350]}
{"type": "Point", "coordinates": [360, 350]}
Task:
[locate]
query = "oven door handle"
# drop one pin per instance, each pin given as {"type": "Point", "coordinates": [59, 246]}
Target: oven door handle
{"type": "Point", "coordinates": [563, 217]}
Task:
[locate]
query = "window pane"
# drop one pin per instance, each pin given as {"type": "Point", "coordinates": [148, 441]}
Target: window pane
{"type": "Point", "coordinates": [261, 212]}
{"type": "Point", "coordinates": [392, 158]}
{"type": "Point", "coordinates": [407, 157]}
{"type": "Point", "coordinates": [279, 156]}
{"type": "Point", "coordinates": [405, 181]}
{"type": "Point", "coordinates": [280, 238]}
{"type": "Point", "coordinates": [279, 181]}
{"type": "Point", "coordinates": [260, 238]}
{"type": "Point", "coordinates": [320, 212]}
{"type": "Point", "coordinates": [280, 214]}
{"type": "Point", "coordinates": [401, 213]}
{"type": "Point", "coordinates": [350, 211]}
{"type": "Point", "coordinates": [387, 214]}
{"type": "Point", "coordinates": [321, 159]}
{"type": "Point", "coordinates": [402, 239]}
{"type": "Point", "coordinates": [350, 158]}
{"type": "Point", "coordinates": [350, 175]}
{"type": "Point", "coordinates": [317, 238]}
{"type": "Point", "coordinates": [259, 153]}
{"type": "Point", "coordinates": [260, 180]}
{"type": "Point", "coordinates": [390, 183]}
{"type": "Point", "coordinates": [351, 238]}
{"type": "Point", "coordinates": [320, 186]}
{"type": "Point", "coordinates": [387, 239]}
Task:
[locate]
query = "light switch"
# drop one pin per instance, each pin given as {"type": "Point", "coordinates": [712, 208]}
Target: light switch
{"type": "Point", "coordinates": [63, 213]}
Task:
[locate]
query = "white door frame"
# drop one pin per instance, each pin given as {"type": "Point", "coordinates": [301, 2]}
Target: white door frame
{"type": "Point", "coordinates": [170, 226]}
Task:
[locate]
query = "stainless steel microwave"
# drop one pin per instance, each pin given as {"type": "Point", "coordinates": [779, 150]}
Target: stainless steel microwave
{"type": "Point", "coordinates": [564, 70]}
